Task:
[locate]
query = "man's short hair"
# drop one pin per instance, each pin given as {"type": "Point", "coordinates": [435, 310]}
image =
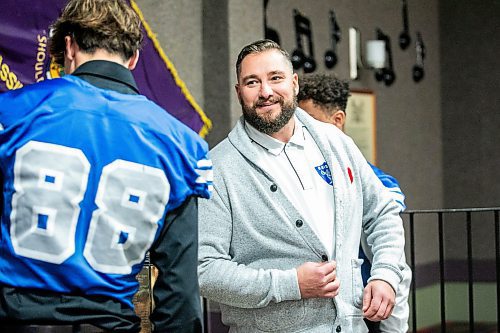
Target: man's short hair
{"type": "Point", "coordinates": [258, 47]}
{"type": "Point", "coordinates": [326, 91]}
{"type": "Point", "coordinates": [111, 25]}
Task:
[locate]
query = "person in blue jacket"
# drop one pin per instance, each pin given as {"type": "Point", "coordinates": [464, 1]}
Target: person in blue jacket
{"type": "Point", "coordinates": [325, 98]}
{"type": "Point", "coordinates": [94, 176]}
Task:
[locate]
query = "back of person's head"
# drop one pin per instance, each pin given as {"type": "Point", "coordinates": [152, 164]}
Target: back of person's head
{"type": "Point", "coordinates": [259, 47]}
{"type": "Point", "coordinates": [111, 25]}
{"type": "Point", "coordinates": [324, 90]}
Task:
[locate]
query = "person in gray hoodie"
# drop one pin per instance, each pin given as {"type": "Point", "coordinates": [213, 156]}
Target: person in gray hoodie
{"type": "Point", "coordinates": [279, 240]}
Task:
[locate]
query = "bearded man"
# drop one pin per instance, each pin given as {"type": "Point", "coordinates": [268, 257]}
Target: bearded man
{"type": "Point", "coordinates": [279, 239]}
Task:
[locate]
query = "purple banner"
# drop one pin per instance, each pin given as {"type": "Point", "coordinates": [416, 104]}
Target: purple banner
{"type": "Point", "coordinates": [24, 59]}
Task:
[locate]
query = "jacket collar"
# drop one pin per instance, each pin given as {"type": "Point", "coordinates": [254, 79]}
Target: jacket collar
{"type": "Point", "coordinates": [271, 144]}
{"type": "Point", "coordinates": [107, 75]}
{"type": "Point", "coordinates": [320, 132]}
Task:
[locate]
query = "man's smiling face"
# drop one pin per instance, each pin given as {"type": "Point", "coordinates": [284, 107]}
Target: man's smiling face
{"type": "Point", "coordinates": [267, 89]}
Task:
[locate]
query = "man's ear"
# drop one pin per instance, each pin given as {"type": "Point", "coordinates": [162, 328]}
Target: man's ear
{"type": "Point", "coordinates": [133, 60]}
{"type": "Point", "coordinates": [339, 119]}
{"type": "Point", "coordinates": [70, 48]}
{"type": "Point", "coordinates": [295, 79]}
{"type": "Point", "coordinates": [237, 89]}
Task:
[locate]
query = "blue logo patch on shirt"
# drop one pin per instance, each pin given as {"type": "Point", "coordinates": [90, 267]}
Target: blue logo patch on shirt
{"type": "Point", "coordinates": [325, 173]}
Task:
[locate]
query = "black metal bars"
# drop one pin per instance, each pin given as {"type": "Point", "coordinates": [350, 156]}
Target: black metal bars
{"type": "Point", "coordinates": [441, 213]}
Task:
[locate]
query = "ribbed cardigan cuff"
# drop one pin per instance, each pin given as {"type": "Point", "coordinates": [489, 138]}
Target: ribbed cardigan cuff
{"type": "Point", "coordinates": [287, 285]}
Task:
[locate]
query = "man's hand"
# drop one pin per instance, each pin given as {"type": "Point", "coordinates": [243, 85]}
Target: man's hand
{"type": "Point", "coordinates": [318, 280]}
{"type": "Point", "coordinates": [378, 300]}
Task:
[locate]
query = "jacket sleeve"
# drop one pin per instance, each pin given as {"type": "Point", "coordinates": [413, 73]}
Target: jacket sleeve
{"type": "Point", "coordinates": [176, 292]}
{"type": "Point", "coordinates": [383, 227]}
{"type": "Point", "coordinates": [392, 184]}
{"type": "Point", "coordinates": [226, 281]}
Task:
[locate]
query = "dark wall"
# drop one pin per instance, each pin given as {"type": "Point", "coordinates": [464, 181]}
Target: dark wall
{"type": "Point", "coordinates": [470, 76]}
{"type": "Point", "coordinates": [217, 88]}
{"type": "Point", "coordinates": [470, 80]}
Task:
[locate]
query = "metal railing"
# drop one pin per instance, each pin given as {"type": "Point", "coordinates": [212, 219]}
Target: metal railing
{"type": "Point", "coordinates": [468, 214]}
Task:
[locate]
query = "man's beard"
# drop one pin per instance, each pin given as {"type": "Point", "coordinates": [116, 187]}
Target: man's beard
{"type": "Point", "coordinates": [263, 123]}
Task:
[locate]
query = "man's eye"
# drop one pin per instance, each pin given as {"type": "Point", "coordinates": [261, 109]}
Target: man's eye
{"type": "Point", "coordinates": [251, 83]}
{"type": "Point", "coordinates": [276, 78]}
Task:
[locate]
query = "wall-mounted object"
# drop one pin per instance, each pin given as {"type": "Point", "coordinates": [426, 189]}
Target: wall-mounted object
{"type": "Point", "coordinates": [418, 69]}
{"type": "Point", "coordinates": [269, 32]}
{"type": "Point", "coordinates": [299, 58]}
{"type": "Point", "coordinates": [386, 74]}
{"type": "Point", "coordinates": [404, 36]}
{"type": "Point", "coordinates": [375, 55]}
{"type": "Point", "coordinates": [331, 57]}
{"type": "Point", "coordinates": [354, 53]}
{"type": "Point", "coordinates": [360, 124]}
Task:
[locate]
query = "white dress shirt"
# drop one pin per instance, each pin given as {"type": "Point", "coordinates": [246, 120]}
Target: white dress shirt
{"type": "Point", "coordinates": [301, 172]}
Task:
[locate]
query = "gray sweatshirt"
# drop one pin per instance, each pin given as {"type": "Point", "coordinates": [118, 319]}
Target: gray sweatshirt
{"type": "Point", "coordinates": [252, 238]}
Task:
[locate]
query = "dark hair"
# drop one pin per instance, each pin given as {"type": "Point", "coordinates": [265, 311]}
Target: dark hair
{"type": "Point", "coordinates": [324, 90]}
{"type": "Point", "coordinates": [111, 25]}
{"type": "Point", "coordinates": [258, 47]}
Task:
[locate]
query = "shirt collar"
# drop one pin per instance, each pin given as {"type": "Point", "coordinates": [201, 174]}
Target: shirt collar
{"type": "Point", "coordinates": [273, 145]}
{"type": "Point", "coordinates": [107, 75]}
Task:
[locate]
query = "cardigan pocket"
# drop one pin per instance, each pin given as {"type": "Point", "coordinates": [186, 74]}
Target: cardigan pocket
{"type": "Point", "coordinates": [357, 283]}
{"type": "Point", "coordinates": [280, 316]}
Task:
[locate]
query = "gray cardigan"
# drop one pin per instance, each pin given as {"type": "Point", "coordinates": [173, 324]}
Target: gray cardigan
{"type": "Point", "coordinates": [251, 239]}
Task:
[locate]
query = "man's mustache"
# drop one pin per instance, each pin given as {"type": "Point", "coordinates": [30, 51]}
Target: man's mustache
{"type": "Point", "coordinates": [270, 100]}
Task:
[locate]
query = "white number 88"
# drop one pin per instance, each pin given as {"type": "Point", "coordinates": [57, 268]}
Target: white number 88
{"type": "Point", "coordinates": [50, 182]}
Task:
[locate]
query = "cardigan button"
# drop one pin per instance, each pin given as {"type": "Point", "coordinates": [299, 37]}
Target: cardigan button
{"type": "Point", "coordinates": [324, 257]}
{"type": "Point", "coordinates": [274, 188]}
{"type": "Point", "coordinates": [338, 329]}
{"type": "Point", "coordinates": [299, 223]}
